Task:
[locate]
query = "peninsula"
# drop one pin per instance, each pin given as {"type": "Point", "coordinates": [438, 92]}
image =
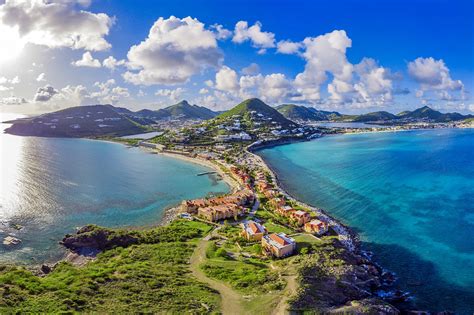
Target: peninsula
{"type": "Point", "coordinates": [257, 248]}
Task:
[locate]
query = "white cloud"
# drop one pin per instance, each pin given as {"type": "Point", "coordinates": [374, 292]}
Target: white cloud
{"type": "Point", "coordinates": [254, 34]}
{"type": "Point", "coordinates": [173, 94]}
{"type": "Point", "coordinates": [44, 94]}
{"type": "Point", "coordinates": [288, 47]}
{"type": "Point", "coordinates": [12, 100]}
{"type": "Point", "coordinates": [111, 63]}
{"type": "Point", "coordinates": [203, 91]}
{"type": "Point", "coordinates": [14, 80]}
{"type": "Point", "coordinates": [41, 77]}
{"type": "Point", "coordinates": [275, 87]}
{"type": "Point", "coordinates": [375, 83]}
{"type": "Point", "coordinates": [174, 50]}
{"type": "Point", "coordinates": [5, 88]}
{"type": "Point", "coordinates": [434, 75]}
{"type": "Point", "coordinates": [109, 92]}
{"type": "Point", "coordinates": [251, 69]}
{"type": "Point", "coordinates": [55, 24]}
{"type": "Point", "coordinates": [227, 80]}
{"type": "Point", "coordinates": [221, 32]}
{"type": "Point", "coordinates": [87, 61]}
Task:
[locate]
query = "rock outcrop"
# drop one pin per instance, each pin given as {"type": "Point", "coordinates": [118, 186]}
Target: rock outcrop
{"type": "Point", "coordinates": [91, 237]}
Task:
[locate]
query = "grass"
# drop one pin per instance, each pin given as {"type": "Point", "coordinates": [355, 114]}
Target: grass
{"type": "Point", "coordinates": [277, 228]}
{"type": "Point", "coordinates": [151, 276]}
{"type": "Point", "coordinates": [244, 275]}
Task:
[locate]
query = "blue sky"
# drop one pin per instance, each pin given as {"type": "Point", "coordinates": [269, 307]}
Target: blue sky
{"type": "Point", "coordinates": [351, 56]}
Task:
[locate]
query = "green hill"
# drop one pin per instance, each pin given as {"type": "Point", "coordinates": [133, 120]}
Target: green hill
{"type": "Point", "coordinates": [421, 114]}
{"type": "Point", "coordinates": [299, 112]}
{"type": "Point", "coordinates": [428, 113]}
{"type": "Point", "coordinates": [182, 110]}
{"type": "Point", "coordinates": [375, 116]}
{"type": "Point", "coordinates": [255, 109]}
{"type": "Point", "coordinates": [80, 121]}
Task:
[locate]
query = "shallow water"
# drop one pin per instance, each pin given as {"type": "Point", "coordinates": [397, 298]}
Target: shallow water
{"type": "Point", "coordinates": [50, 186]}
{"type": "Point", "coordinates": [410, 195]}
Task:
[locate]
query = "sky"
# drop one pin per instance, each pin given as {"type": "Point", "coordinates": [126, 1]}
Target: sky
{"type": "Point", "coordinates": [351, 56]}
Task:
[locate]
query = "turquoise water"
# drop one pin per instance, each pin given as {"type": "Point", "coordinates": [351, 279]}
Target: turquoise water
{"type": "Point", "coordinates": [51, 186]}
{"type": "Point", "coordinates": [410, 196]}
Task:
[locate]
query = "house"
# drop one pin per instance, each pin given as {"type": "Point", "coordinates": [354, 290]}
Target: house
{"type": "Point", "coordinates": [277, 202]}
{"type": "Point", "coordinates": [270, 193]}
{"type": "Point", "coordinates": [262, 185]}
{"type": "Point", "coordinates": [192, 206]}
{"type": "Point", "coordinates": [253, 231]}
{"type": "Point", "coordinates": [278, 244]}
{"type": "Point", "coordinates": [317, 227]}
{"type": "Point", "coordinates": [285, 211]}
{"type": "Point", "coordinates": [300, 217]}
{"type": "Point", "coordinates": [221, 212]}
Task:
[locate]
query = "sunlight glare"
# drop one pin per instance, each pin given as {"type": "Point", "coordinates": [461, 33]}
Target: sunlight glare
{"type": "Point", "coordinates": [11, 45]}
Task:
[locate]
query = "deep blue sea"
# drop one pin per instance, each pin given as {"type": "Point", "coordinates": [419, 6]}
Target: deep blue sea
{"type": "Point", "coordinates": [410, 196]}
{"type": "Point", "coordinates": [51, 186]}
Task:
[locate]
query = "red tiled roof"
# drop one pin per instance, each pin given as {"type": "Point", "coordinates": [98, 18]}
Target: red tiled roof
{"type": "Point", "coordinates": [278, 239]}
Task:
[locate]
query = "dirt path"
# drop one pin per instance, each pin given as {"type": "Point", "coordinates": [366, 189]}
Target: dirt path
{"type": "Point", "coordinates": [230, 300]}
{"type": "Point", "coordinates": [289, 291]}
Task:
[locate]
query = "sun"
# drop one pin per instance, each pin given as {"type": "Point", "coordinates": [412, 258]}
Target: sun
{"type": "Point", "coordinates": [11, 44]}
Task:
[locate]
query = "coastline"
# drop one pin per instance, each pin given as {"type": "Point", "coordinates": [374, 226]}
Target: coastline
{"type": "Point", "coordinates": [171, 213]}
{"type": "Point", "coordinates": [345, 234]}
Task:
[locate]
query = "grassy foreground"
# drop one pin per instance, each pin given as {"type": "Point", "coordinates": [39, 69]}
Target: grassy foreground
{"type": "Point", "coordinates": [151, 276]}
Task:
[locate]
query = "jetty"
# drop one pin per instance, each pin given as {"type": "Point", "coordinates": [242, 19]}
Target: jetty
{"type": "Point", "coordinates": [206, 173]}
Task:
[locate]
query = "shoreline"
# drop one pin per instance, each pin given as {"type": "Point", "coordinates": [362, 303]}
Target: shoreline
{"type": "Point", "coordinates": [345, 234]}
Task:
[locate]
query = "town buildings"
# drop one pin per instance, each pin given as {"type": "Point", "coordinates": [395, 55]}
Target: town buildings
{"type": "Point", "coordinates": [253, 231]}
{"type": "Point", "coordinates": [317, 227]}
{"type": "Point", "coordinates": [278, 245]}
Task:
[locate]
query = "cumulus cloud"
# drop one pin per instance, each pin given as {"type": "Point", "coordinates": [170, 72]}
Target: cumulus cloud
{"type": "Point", "coordinates": [254, 34]}
{"type": "Point", "coordinates": [375, 83]}
{"type": "Point", "coordinates": [174, 50]}
{"type": "Point", "coordinates": [111, 63]}
{"type": "Point", "coordinates": [221, 32]}
{"type": "Point", "coordinates": [12, 100]}
{"type": "Point", "coordinates": [87, 61]}
{"type": "Point", "coordinates": [252, 69]}
{"type": "Point", "coordinates": [14, 80]}
{"type": "Point", "coordinates": [226, 80]}
{"type": "Point", "coordinates": [288, 47]}
{"type": "Point", "coordinates": [41, 77]}
{"type": "Point", "coordinates": [55, 24]}
{"type": "Point", "coordinates": [44, 94]}
{"type": "Point", "coordinates": [173, 94]}
{"type": "Point", "coordinates": [434, 75]}
{"type": "Point", "coordinates": [109, 92]}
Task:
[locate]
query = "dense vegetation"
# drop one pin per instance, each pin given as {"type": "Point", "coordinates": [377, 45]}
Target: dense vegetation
{"type": "Point", "coordinates": [150, 276]}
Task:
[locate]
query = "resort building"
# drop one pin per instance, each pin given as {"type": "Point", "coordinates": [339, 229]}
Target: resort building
{"type": "Point", "coordinates": [300, 217]}
{"type": "Point", "coordinates": [285, 211]}
{"type": "Point", "coordinates": [270, 193]}
{"type": "Point", "coordinates": [278, 244]}
{"type": "Point", "coordinates": [221, 212]}
{"type": "Point", "coordinates": [192, 206]}
{"type": "Point", "coordinates": [317, 227]}
{"type": "Point", "coordinates": [253, 231]}
{"type": "Point", "coordinates": [262, 185]}
{"type": "Point", "coordinates": [277, 202]}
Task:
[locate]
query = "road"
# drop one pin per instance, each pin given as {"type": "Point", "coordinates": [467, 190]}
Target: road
{"type": "Point", "coordinates": [231, 302]}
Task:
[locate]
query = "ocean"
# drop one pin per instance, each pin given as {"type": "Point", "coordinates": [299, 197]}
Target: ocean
{"type": "Point", "coordinates": [409, 195]}
{"type": "Point", "coordinates": [51, 186]}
